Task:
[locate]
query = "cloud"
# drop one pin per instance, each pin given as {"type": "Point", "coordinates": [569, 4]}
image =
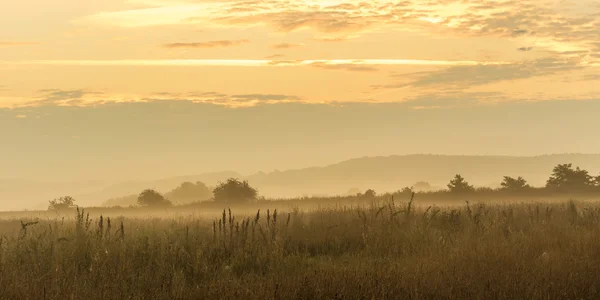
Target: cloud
{"type": "Point", "coordinates": [551, 27]}
{"type": "Point", "coordinates": [84, 98]}
{"type": "Point", "coordinates": [274, 56]}
{"type": "Point", "coordinates": [548, 26]}
{"type": "Point", "coordinates": [525, 49]}
{"type": "Point", "coordinates": [283, 16]}
{"type": "Point", "coordinates": [519, 32]}
{"type": "Point", "coordinates": [511, 19]}
{"type": "Point", "coordinates": [459, 77]}
{"type": "Point", "coordinates": [286, 45]}
{"type": "Point", "coordinates": [227, 100]}
{"type": "Point", "coordinates": [58, 97]}
{"type": "Point", "coordinates": [209, 44]}
{"type": "Point", "coordinates": [345, 67]}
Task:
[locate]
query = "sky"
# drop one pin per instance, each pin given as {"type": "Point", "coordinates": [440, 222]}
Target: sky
{"type": "Point", "coordinates": [157, 88]}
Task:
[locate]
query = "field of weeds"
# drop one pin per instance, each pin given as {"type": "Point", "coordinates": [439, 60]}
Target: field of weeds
{"type": "Point", "coordinates": [387, 250]}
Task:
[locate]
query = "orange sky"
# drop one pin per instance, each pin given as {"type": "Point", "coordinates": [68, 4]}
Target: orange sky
{"type": "Point", "coordinates": [307, 51]}
{"type": "Point", "coordinates": [447, 55]}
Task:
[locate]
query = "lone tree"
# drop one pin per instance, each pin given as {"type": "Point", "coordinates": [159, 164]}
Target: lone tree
{"type": "Point", "coordinates": [370, 194]}
{"type": "Point", "coordinates": [514, 184]}
{"type": "Point", "coordinates": [189, 192]}
{"type": "Point", "coordinates": [234, 191]}
{"type": "Point", "coordinates": [460, 185]}
{"type": "Point", "coordinates": [61, 203]}
{"type": "Point", "coordinates": [564, 177]}
{"type": "Point", "coordinates": [153, 198]}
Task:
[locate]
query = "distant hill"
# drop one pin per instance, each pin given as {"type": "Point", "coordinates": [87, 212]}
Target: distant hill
{"type": "Point", "coordinates": [388, 173]}
{"type": "Point", "coordinates": [395, 172]}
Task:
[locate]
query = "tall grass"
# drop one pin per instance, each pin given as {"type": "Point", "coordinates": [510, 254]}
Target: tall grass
{"type": "Point", "coordinates": [384, 250]}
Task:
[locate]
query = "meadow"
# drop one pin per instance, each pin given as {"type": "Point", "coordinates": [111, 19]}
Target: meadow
{"type": "Point", "coordinates": [381, 249]}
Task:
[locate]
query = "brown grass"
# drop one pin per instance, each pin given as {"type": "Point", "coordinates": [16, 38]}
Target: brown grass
{"type": "Point", "coordinates": [386, 250]}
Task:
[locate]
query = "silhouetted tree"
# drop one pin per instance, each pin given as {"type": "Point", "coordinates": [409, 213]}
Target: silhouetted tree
{"type": "Point", "coordinates": [234, 191]}
{"type": "Point", "coordinates": [370, 194]}
{"type": "Point", "coordinates": [189, 192]}
{"type": "Point", "coordinates": [564, 177]}
{"type": "Point", "coordinates": [514, 184]}
{"type": "Point", "coordinates": [459, 185]}
{"type": "Point", "coordinates": [151, 197]}
{"type": "Point", "coordinates": [61, 203]}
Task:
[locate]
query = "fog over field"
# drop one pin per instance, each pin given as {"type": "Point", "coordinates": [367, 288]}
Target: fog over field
{"type": "Point", "coordinates": [300, 149]}
{"type": "Point", "coordinates": [384, 174]}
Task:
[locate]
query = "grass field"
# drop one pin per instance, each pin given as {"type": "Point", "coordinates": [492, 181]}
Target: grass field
{"type": "Point", "coordinates": [384, 250]}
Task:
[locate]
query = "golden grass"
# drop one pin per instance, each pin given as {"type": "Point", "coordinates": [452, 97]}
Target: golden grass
{"type": "Point", "coordinates": [386, 250]}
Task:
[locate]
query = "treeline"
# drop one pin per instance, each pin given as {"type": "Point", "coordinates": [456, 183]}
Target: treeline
{"type": "Point", "coordinates": [230, 191]}
{"type": "Point", "coordinates": [564, 179]}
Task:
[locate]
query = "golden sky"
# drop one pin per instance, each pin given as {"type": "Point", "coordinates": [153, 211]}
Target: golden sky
{"type": "Point", "coordinates": [297, 51]}
{"type": "Point", "coordinates": [449, 56]}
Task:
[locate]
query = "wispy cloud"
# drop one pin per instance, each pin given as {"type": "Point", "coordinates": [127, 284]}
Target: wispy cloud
{"type": "Point", "coordinates": [83, 98]}
{"type": "Point", "coordinates": [287, 45]}
{"type": "Point", "coordinates": [284, 16]}
{"type": "Point", "coordinates": [519, 32]}
{"type": "Point", "coordinates": [208, 44]}
{"type": "Point", "coordinates": [546, 26]}
{"type": "Point", "coordinates": [58, 97]}
{"type": "Point", "coordinates": [345, 67]}
{"type": "Point", "coordinates": [228, 100]}
{"type": "Point", "coordinates": [274, 56]}
{"type": "Point", "coordinates": [460, 77]}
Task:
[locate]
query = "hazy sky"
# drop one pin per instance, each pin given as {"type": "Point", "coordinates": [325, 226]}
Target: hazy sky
{"type": "Point", "coordinates": [146, 88]}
